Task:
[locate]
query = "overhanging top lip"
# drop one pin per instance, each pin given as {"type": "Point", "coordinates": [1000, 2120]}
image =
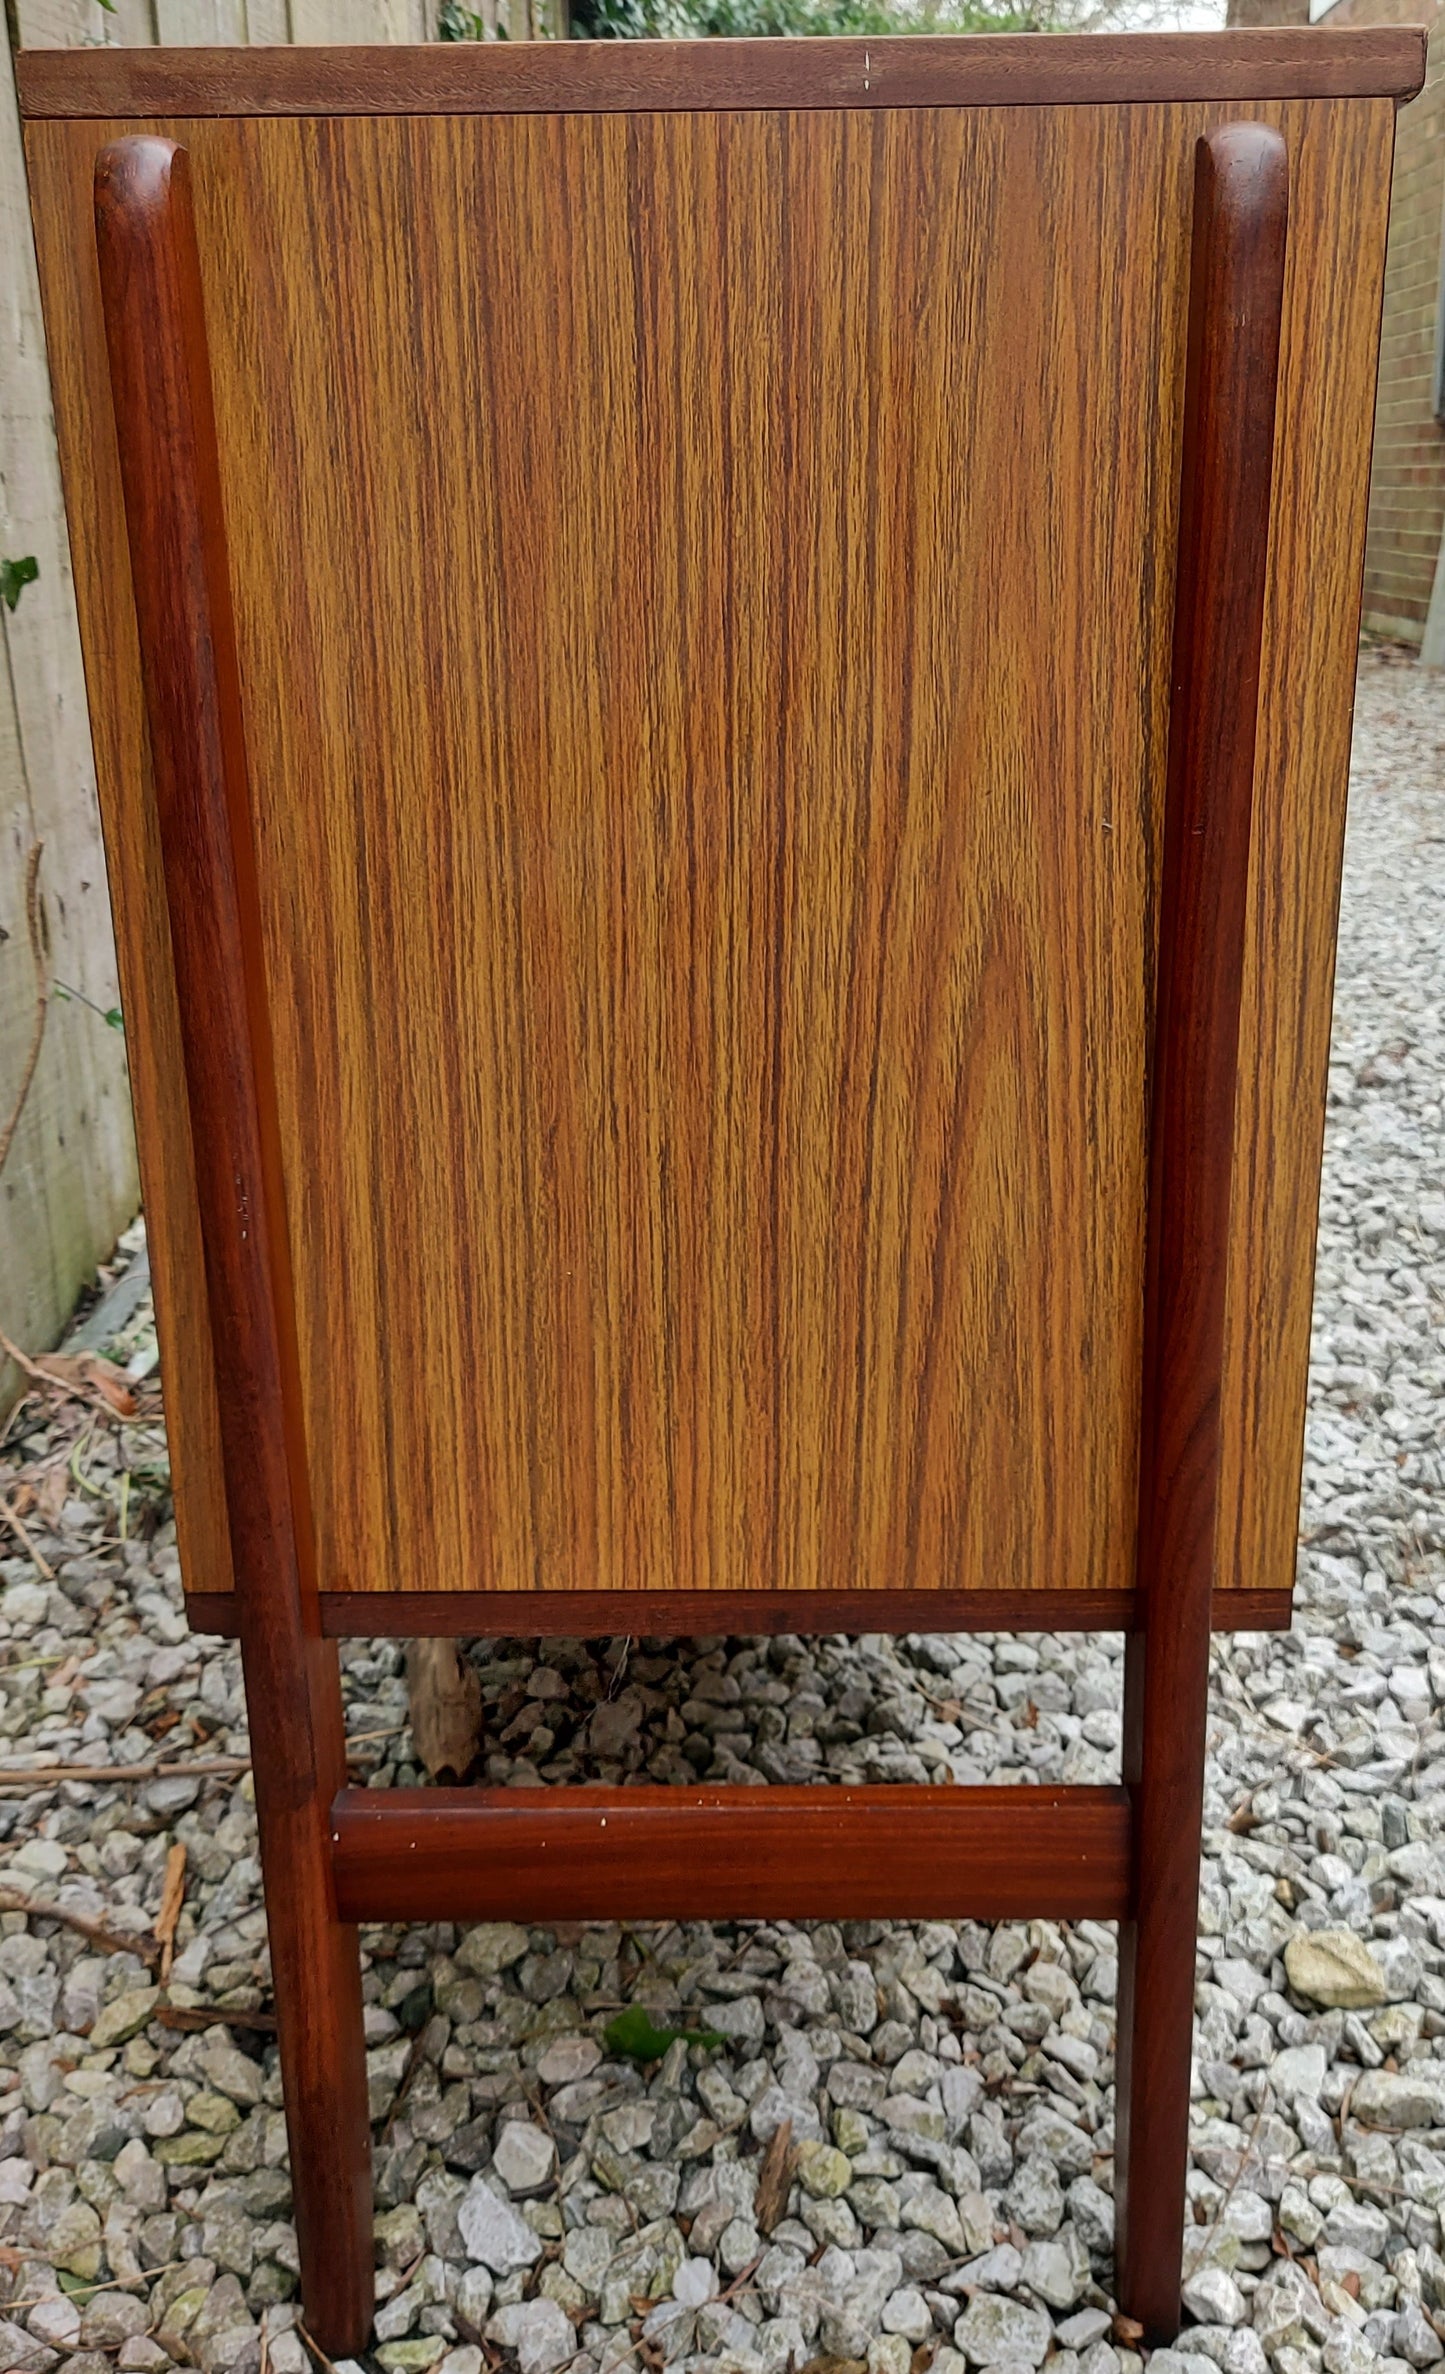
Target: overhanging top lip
{"type": "Point", "coordinates": [637, 77]}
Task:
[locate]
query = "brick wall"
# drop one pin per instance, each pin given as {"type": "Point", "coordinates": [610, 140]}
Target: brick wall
{"type": "Point", "coordinates": [1407, 483]}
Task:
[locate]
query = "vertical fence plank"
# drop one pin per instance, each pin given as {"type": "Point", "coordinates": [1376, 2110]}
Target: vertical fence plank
{"type": "Point", "coordinates": [201, 24]}
{"type": "Point", "coordinates": [133, 24]}
{"type": "Point", "coordinates": [60, 24]}
{"type": "Point", "coordinates": [268, 22]}
{"type": "Point", "coordinates": [362, 20]}
{"type": "Point", "coordinates": [70, 1181]}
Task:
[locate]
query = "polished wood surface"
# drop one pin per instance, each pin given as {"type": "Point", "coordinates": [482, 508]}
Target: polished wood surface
{"type": "Point", "coordinates": [988, 1854]}
{"type": "Point", "coordinates": [629, 76]}
{"type": "Point", "coordinates": [795, 1313]}
{"type": "Point", "coordinates": [1241, 207]}
{"type": "Point", "coordinates": [62, 209]}
{"type": "Point", "coordinates": [582, 1615]}
{"type": "Point", "coordinates": [156, 331]}
{"type": "Point", "coordinates": [687, 1087]}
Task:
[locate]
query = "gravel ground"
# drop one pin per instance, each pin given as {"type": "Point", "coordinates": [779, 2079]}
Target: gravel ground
{"type": "Point", "coordinates": [943, 2094]}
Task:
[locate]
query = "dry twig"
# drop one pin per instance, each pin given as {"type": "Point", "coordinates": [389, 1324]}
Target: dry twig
{"type": "Point", "coordinates": [40, 1776]}
{"type": "Point", "coordinates": [110, 1941]}
{"type": "Point", "coordinates": [327, 2365]}
{"type": "Point", "coordinates": [191, 2018]}
{"type": "Point", "coordinates": [12, 1517]}
{"type": "Point", "coordinates": [42, 994]}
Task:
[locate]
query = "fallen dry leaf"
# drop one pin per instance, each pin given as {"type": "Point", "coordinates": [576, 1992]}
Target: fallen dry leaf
{"type": "Point", "coordinates": [775, 2178]}
{"type": "Point", "coordinates": [74, 1371]}
{"type": "Point", "coordinates": [444, 1692]}
{"type": "Point", "coordinates": [173, 1896]}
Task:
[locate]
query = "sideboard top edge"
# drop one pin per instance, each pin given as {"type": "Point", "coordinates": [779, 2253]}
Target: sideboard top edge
{"type": "Point", "coordinates": [634, 77]}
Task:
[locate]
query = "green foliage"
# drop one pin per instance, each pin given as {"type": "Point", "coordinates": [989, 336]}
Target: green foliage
{"type": "Point", "coordinates": [15, 576]}
{"type": "Point", "coordinates": [455, 23]}
{"type": "Point", "coordinates": [109, 1014]}
{"type": "Point", "coordinates": [654, 20]}
{"type": "Point", "coordinates": [633, 2035]}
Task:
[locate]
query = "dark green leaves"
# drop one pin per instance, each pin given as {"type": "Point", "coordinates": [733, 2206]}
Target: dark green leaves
{"type": "Point", "coordinates": [15, 576]}
{"type": "Point", "coordinates": [633, 2036]}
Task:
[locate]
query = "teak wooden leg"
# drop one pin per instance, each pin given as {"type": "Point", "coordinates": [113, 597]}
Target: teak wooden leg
{"type": "Point", "coordinates": [1236, 296]}
{"type": "Point", "coordinates": [166, 437]}
{"type": "Point", "coordinates": [316, 1983]}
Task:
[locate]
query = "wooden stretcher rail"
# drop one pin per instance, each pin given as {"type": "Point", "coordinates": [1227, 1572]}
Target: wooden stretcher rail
{"type": "Point", "coordinates": [681, 1615]}
{"type": "Point", "coordinates": [605, 77]}
{"type": "Point", "coordinates": [904, 1853]}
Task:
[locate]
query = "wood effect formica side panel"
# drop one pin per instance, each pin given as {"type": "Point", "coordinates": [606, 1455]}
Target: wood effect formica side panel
{"type": "Point", "coordinates": [401, 675]}
{"type": "Point", "coordinates": [711, 986]}
{"type": "Point", "coordinates": [1334, 279]}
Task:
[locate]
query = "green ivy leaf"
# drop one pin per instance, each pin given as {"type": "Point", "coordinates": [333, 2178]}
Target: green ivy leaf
{"type": "Point", "coordinates": [108, 1014]}
{"type": "Point", "coordinates": [633, 2035]}
{"type": "Point", "coordinates": [15, 576]}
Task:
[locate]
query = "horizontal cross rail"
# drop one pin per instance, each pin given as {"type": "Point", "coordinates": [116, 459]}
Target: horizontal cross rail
{"type": "Point", "coordinates": [679, 1615]}
{"type": "Point", "coordinates": [812, 1853]}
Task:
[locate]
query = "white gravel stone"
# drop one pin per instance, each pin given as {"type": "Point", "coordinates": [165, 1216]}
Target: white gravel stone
{"type": "Point", "coordinates": [993, 2331]}
{"type": "Point", "coordinates": [569, 2059]}
{"type": "Point", "coordinates": [695, 2283]}
{"type": "Point", "coordinates": [538, 2330]}
{"type": "Point", "coordinates": [906, 2312]}
{"type": "Point", "coordinates": [1413, 2097]}
{"type": "Point", "coordinates": [1212, 2294]}
{"type": "Point", "coordinates": [1335, 1968]}
{"type": "Point", "coordinates": [493, 2232]}
{"type": "Point", "coordinates": [525, 2159]}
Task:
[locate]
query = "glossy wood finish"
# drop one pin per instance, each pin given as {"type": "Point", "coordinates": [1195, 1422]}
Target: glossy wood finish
{"type": "Point", "coordinates": [676, 1615]}
{"type": "Point", "coordinates": [820, 1854]}
{"type": "Point", "coordinates": [709, 998]}
{"type": "Point", "coordinates": [703, 1514]}
{"type": "Point", "coordinates": [160, 381]}
{"type": "Point", "coordinates": [1011, 70]}
{"type": "Point", "coordinates": [1236, 298]}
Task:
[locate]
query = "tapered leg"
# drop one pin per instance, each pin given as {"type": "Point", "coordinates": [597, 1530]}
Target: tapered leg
{"type": "Point", "coordinates": [1236, 287]}
{"type": "Point", "coordinates": [316, 1978]}
{"type": "Point", "coordinates": [170, 472]}
{"type": "Point", "coordinates": [1164, 1729]}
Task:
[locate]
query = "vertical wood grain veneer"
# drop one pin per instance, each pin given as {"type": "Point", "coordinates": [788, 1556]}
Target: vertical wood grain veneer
{"type": "Point", "coordinates": [630, 1443]}
{"type": "Point", "coordinates": [165, 428]}
{"type": "Point", "coordinates": [1236, 291]}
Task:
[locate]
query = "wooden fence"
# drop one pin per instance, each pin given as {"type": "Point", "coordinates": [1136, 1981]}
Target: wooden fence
{"type": "Point", "coordinates": [69, 1184]}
